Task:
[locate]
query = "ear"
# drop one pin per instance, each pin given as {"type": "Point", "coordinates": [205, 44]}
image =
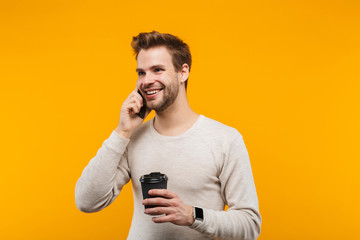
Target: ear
{"type": "Point", "coordinates": [184, 73]}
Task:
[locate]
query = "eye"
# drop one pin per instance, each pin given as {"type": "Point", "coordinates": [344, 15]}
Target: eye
{"type": "Point", "coordinates": [158, 69]}
{"type": "Point", "coordinates": [141, 74]}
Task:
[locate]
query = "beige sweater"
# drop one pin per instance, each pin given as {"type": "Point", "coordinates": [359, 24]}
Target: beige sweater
{"type": "Point", "coordinates": [208, 166]}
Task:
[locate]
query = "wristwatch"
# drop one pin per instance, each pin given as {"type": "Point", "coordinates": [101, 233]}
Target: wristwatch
{"type": "Point", "coordinates": [198, 214]}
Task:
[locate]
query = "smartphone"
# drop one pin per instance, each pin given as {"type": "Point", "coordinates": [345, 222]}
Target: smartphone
{"type": "Point", "coordinates": [142, 111]}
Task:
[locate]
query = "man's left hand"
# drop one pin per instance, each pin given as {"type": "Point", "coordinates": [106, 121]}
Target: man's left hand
{"type": "Point", "coordinates": [169, 203]}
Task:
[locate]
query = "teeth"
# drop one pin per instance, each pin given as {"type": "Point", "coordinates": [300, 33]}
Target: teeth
{"type": "Point", "coordinates": [151, 92]}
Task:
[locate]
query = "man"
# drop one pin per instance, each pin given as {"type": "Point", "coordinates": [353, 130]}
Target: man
{"type": "Point", "coordinates": [206, 162]}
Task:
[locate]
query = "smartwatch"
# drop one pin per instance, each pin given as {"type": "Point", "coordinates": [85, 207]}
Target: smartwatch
{"type": "Point", "coordinates": [198, 214]}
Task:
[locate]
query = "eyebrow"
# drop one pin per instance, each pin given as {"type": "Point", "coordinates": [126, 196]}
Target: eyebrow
{"type": "Point", "coordinates": [152, 67]}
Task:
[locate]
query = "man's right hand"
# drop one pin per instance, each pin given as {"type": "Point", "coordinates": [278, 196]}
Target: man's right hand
{"type": "Point", "coordinates": [128, 118]}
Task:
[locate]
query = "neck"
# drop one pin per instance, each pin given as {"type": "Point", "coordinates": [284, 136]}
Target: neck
{"type": "Point", "coordinates": [177, 118]}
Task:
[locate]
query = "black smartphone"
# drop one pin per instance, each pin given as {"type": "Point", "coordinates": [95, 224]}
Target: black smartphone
{"type": "Point", "coordinates": [142, 111]}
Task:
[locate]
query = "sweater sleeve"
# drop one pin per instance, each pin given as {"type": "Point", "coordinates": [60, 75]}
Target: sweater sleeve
{"type": "Point", "coordinates": [242, 220]}
{"type": "Point", "coordinates": [103, 178]}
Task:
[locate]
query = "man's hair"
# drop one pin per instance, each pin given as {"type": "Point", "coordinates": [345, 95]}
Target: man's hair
{"type": "Point", "coordinates": [178, 50]}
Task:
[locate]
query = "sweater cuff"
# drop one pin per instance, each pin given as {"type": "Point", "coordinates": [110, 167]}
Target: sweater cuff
{"type": "Point", "coordinates": [117, 143]}
{"type": "Point", "coordinates": [200, 226]}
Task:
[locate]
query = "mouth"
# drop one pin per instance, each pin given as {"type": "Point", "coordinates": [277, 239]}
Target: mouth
{"type": "Point", "coordinates": [152, 92]}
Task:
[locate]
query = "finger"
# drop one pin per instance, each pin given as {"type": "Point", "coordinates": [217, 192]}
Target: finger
{"type": "Point", "coordinates": [135, 96]}
{"type": "Point", "coordinates": [139, 94]}
{"type": "Point", "coordinates": [163, 193]}
{"type": "Point", "coordinates": [134, 105]}
{"type": "Point", "coordinates": [162, 219]}
{"type": "Point", "coordinates": [139, 97]}
{"type": "Point", "coordinates": [138, 101]}
{"type": "Point", "coordinates": [134, 108]}
{"type": "Point", "coordinates": [157, 202]}
{"type": "Point", "coordinates": [158, 210]}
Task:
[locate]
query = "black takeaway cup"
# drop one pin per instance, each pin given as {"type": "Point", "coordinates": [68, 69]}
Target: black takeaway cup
{"type": "Point", "coordinates": [154, 180]}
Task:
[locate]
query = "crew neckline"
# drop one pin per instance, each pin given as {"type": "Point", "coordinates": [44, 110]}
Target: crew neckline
{"type": "Point", "coordinates": [184, 134]}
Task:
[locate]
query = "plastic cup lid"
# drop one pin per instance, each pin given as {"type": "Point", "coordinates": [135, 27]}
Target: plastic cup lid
{"type": "Point", "coordinates": [154, 177]}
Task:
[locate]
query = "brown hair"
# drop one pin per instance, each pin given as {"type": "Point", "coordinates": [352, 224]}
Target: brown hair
{"type": "Point", "coordinates": [179, 50]}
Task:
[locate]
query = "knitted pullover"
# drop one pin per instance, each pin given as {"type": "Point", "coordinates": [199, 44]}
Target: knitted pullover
{"type": "Point", "coordinates": [208, 166]}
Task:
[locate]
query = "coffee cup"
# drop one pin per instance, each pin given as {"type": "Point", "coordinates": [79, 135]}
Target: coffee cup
{"type": "Point", "coordinates": [154, 180]}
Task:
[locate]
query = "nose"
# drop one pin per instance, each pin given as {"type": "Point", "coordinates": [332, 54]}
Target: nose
{"type": "Point", "coordinates": [147, 80]}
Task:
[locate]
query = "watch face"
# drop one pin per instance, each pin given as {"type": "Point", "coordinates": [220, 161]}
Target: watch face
{"type": "Point", "coordinates": [199, 213]}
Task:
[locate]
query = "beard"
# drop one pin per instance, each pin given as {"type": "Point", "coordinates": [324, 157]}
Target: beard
{"type": "Point", "coordinates": [170, 93]}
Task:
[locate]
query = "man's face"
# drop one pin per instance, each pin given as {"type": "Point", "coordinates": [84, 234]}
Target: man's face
{"type": "Point", "coordinates": [158, 81]}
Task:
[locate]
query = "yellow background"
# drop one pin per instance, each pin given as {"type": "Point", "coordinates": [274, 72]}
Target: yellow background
{"type": "Point", "coordinates": [284, 73]}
